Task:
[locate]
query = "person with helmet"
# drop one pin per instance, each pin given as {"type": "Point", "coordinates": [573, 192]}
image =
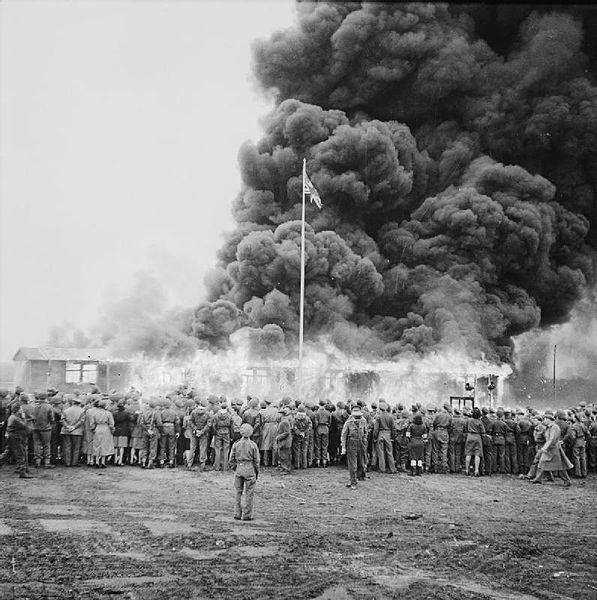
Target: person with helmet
{"type": "Point", "coordinates": [42, 430]}
{"type": "Point", "coordinates": [170, 431]}
{"type": "Point", "coordinates": [551, 456]}
{"type": "Point", "coordinates": [201, 422]}
{"type": "Point", "coordinates": [244, 460]}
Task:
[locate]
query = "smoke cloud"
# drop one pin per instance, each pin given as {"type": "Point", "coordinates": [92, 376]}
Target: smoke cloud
{"type": "Point", "coordinates": [454, 153]}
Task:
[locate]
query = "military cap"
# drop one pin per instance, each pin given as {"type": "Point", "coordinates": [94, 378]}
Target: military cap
{"type": "Point", "coordinates": [41, 395]}
{"type": "Point", "coordinates": [561, 414]}
{"type": "Point", "coordinates": [549, 414]}
{"type": "Point", "coordinates": [301, 408]}
{"type": "Point", "coordinates": [431, 408]}
{"type": "Point", "coordinates": [582, 403]}
{"type": "Point", "coordinates": [400, 406]}
{"type": "Point", "coordinates": [268, 400]}
{"type": "Point", "coordinates": [485, 410]}
{"type": "Point", "coordinates": [356, 412]}
{"type": "Point", "coordinates": [456, 412]}
{"type": "Point", "coordinates": [3, 393]}
{"type": "Point", "coordinates": [374, 404]}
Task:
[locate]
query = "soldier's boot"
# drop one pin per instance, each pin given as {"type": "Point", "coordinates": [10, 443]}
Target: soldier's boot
{"type": "Point", "coordinates": [150, 464]}
{"type": "Point", "coordinates": [412, 472]}
{"type": "Point", "coordinates": [48, 465]}
{"type": "Point", "coordinates": [171, 464]}
{"type": "Point", "coordinates": [162, 463]}
{"type": "Point", "coordinates": [325, 464]}
{"type": "Point", "coordinates": [37, 464]}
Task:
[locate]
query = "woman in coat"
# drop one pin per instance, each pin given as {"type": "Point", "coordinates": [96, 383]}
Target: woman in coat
{"type": "Point", "coordinates": [473, 446]}
{"type": "Point", "coordinates": [102, 425]}
{"type": "Point", "coordinates": [552, 457]}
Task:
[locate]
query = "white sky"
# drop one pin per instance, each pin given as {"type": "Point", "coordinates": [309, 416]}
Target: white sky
{"type": "Point", "coordinates": [120, 125]}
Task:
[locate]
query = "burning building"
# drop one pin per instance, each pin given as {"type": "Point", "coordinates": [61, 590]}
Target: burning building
{"type": "Point", "coordinates": [453, 149]}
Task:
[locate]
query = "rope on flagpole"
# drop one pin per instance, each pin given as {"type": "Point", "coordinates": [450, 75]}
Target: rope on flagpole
{"type": "Point", "coordinates": [302, 296]}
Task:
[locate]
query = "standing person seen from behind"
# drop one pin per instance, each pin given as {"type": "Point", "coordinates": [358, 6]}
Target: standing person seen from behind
{"type": "Point", "coordinates": [244, 460]}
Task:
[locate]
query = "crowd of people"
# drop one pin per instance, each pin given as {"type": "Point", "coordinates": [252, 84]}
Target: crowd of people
{"type": "Point", "coordinates": [183, 429]}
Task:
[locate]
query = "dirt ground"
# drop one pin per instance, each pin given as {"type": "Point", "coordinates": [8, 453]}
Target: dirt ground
{"type": "Point", "coordinates": [169, 534]}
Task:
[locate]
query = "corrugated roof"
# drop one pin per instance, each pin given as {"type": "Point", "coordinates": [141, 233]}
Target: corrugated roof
{"type": "Point", "coordinates": [71, 354]}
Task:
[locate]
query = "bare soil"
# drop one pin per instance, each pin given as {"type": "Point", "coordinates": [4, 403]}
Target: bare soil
{"type": "Point", "coordinates": [169, 534]}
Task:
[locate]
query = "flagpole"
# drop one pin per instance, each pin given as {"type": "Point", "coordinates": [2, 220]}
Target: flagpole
{"type": "Point", "coordinates": [302, 298]}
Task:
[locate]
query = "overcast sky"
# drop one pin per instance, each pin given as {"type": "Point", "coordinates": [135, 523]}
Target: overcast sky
{"type": "Point", "coordinates": [120, 127]}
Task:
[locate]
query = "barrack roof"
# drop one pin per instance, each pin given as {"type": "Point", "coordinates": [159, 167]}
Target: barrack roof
{"type": "Point", "coordinates": [70, 354]}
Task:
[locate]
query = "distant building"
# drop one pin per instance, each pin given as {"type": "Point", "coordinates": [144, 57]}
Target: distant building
{"type": "Point", "coordinates": [69, 368]}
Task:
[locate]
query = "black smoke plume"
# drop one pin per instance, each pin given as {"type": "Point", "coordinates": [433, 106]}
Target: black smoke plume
{"type": "Point", "coordinates": [454, 148]}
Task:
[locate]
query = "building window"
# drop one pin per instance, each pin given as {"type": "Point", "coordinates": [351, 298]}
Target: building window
{"type": "Point", "coordinates": [80, 372]}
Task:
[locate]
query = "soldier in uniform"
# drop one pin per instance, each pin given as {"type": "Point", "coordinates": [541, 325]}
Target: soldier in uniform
{"type": "Point", "coordinates": [457, 439]}
{"type": "Point", "coordinates": [499, 431]}
{"type": "Point", "coordinates": [252, 416]}
{"type": "Point", "coordinates": [339, 416]}
{"type": "Point", "coordinates": [270, 419]}
{"type": "Point", "coordinates": [42, 430]}
{"type": "Point", "coordinates": [284, 442]}
{"type": "Point", "coordinates": [17, 431]}
{"type": "Point", "coordinates": [354, 445]}
{"type": "Point", "coordinates": [524, 439]}
{"type": "Point", "coordinates": [170, 431]}
{"type": "Point", "coordinates": [150, 421]}
{"type": "Point", "coordinates": [244, 459]}
{"type": "Point", "coordinates": [222, 427]}
{"type": "Point", "coordinates": [4, 414]}
{"type": "Point", "coordinates": [592, 446]}
{"type": "Point", "coordinates": [384, 433]}
{"type": "Point", "coordinates": [511, 448]}
{"type": "Point", "coordinates": [551, 456]}
{"type": "Point", "coordinates": [202, 425]}
{"type": "Point", "coordinates": [578, 433]}
{"type": "Point", "coordinates": [323, 418]}
{"type": "Point", "coordinates": [300, 437]}
{"type": "Point", "coordinates": [440, 439]}
{"type": "Point", "coordinates": [73, 419]}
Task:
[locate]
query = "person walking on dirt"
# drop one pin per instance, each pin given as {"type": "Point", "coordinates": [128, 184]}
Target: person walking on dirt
{"type": "Point", "coordinates": [552, 458]}
{"type": "Point", "coordinates": [244, 460]}
{"type": "Point", "coordinates": [354, 445]}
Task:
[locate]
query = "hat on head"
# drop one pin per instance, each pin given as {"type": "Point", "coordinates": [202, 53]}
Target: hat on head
{"type": "Point", "coordinates": [383, 406]}
{"type": "Point", "coordinates": [485, 410]}
{"type": "Point", "coordinates": [457, 412]}
{"type": "Point", "coordinates": [548, 414]}
{"type": "Point", "coordinates": [561, 414]}
{"type": "Point", "coordinates": [246, 430]}
{"type": "Point", "coordinates": [373, 404]}
{"type": "Point", "coordinates": [357, 412]}
{"type": "Point", "coordinates": [301, 408]}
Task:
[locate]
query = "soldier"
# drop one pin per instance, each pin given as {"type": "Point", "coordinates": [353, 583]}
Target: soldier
{"type": "Point", "coordinates": [354, 445]}
{"type": "Point", "coordinates": [170, 432]}
{"type": "Point", "coordinates": [323, 419]}
{"type": "Point", "coordinates": [17, 432]}
{"type": "Point", "coordinates": [403, 420]}
{"type": "Point", "coordinates": [578, 433]}
{"type": "Point", "coordinates": [202, 425]}
{"type": "Point", "coordinates": [270, 419]}
{"type": "Point", "coordinates": [42, 430]}
{"type": "Point", "coordinates": [300, 437]}
{"type": "Point", "coordinates": [4, 414]}
{"type": "Point", "coordinates": [499, 431]}
{"type": "Point", "coordinates": [384, 433]}
{"type": "Point", "coordinates": [371, 417]}
{"type": "Point", "coordinates": [284, 441]}
{"type": "Point", "coordinates": [150, 421]}
{"type": "Point", "coordinates": [552, 457]}
{"type": "Point", "coordinates": [440, 439]}
{"type": "Point", "coordinates": [311, 441]}
{"type": "Point", "coordinates": [244, 459]}
{"type": "Point", "coordinates": [524, 428]}
{"type": "Point", "coordinates": [339, 416]}
{"type": "Point", "coordinates": [510, 446]}
{"type": "Point", "coordinates": [457, 439]}
{"type": "Point", "coordinates": [222, 428]}
{"type": "Point", "coordinates": [73, 419]}
{"type": "Point", "coordinates": [592, 446]}
{"type": "Point", "coordinates": [55, 398]}
{"type": "Point", "coordinates": [252, 416]}
{"type": "Point", "coordinates": [428, 415]}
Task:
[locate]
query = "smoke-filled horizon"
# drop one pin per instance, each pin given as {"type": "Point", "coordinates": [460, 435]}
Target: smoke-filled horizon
{"type": "Point", "coordinates": [454, 153]}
